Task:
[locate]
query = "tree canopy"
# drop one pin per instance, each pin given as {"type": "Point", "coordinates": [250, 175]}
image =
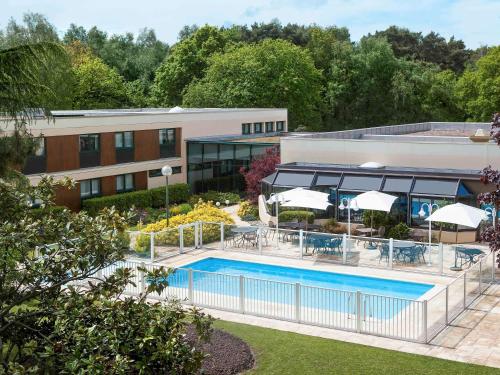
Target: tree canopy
{"type": "Point", "coordinates": [272, 73]}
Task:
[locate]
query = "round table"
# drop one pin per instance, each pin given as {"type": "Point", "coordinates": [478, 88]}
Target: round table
{"type": "Point", "coordinates": [242, 230]}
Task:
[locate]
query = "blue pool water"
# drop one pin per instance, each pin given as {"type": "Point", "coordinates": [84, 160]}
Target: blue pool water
{"type": "Point", "coordinates": [315, 287]}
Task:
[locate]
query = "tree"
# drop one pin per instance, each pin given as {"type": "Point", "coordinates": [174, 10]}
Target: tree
{"type": "Point", "coordinates": [273, 73]}
{"type": "Point", "coordinates": [96, 84]}
{"type": "Point", "coordinates": [24, 94]}
{"type": "Point", "coordinates": [490, 176]}
{"type": "Point", "coordinates": [48, 324]}
{"type": "Point", "coordinates": [186, 62]}
{"type": "Point", "coordinates": [34, 29]}
{"type": "Point", "coordinates": [260, 167]}
{"type": "Point", "coordinates": [478, 89]}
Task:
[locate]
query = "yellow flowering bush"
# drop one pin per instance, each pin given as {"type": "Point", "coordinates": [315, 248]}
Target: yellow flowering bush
{"type": "Point", "coordinates": [203, 211]}
{"type": "Point", "coordinates": [248, 208]}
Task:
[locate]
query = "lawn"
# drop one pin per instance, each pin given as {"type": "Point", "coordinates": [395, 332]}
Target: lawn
{"type": "Point", "coordinates": [280, 352]}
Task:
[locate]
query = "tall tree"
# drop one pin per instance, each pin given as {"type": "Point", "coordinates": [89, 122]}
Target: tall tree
{"type": "Point", "coordinates": [260, 167]}
{"type": "Point", "coordinates": [478, 89]}
{"type": "Point", "coordinates": [186, 62]}
{"type": "Point", "coordinates": [35, 28]}
{"type": "Point", "coordinates": [273, 73]}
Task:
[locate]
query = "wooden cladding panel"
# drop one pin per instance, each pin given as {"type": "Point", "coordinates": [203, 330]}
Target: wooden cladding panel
{"type": "Point", "coordinates": [108, 185]}
{"type": "Point", "coordinates": [141, 180]}
{"type": "Point", "coordinates": [108, 152]}
{"type": "Point", "coordinates": [68, 198]}
{"type": "Point", "coordinates": [178, 141]}
{"type": "Point", "coordinates": [63, 153]}
{"type": "Point", "coordinates": [147, 145]}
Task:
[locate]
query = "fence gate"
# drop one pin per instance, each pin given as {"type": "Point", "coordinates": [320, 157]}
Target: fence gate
{"type": "Point", "coordinates": [189, 237]}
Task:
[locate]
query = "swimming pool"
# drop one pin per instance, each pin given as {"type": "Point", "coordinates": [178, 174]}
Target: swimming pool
{"type": "Point", "coordinates": [318, 289]}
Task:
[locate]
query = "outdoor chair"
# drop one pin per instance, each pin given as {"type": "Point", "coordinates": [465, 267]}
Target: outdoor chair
{"type": "Point", "coordinates": [333, 245]}
{"type": "Point", "coordinates": [250, 239]}
{"type": "Point", "coordinates": [384, 252]}
{"type": "Point", "coordinates": [409, 254]}
{"type": "Point", "coordinates": [380, 233]}
{"type": "Point", "coordinates": [421, 249]}
{"type": "Point", "coordinates": [319, 245]}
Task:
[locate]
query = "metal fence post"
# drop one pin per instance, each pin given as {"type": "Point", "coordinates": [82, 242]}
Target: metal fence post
{"type": "Point", "coordinates": [142, 279]}
{"type": "Point", "coordinates": [196, 229]}
{"type": "Point", "coordinates": [358, 311]}
{"type": "Point", "coordinates": [301, 243]}
{"type": "Point", "coordinates": [391, 253]}
{"type": "Point", "coordinates": [181, 239]}
{"type": "Point", "coordinates": [447, 319]}
{"type": "Point", "coordinates": [190, 286]}
{"type": "Point", "coordinates": [465, 290]}
{"type": "Point", "coordinates": [152, 245]}
{"type": "Point", "coordinates": [201, 234]}
{"type": "Point", "coordinates": [297, 302]}
{"type": "Point", "coordinates": [344, 248]}
{"type": "Point", "coordinates": [222, 236]}
{"type": "Point", "coordinates": [441, 258]}
{"type": "Point", "coordinates": [242, 294]}
{"type": "Point", "coordinates": [259, 238]}
{"type": "Point", "coordinates": [480, 276]}
{"type": "Point", "coordinates": [424, 318]}
{"type": "Point", "coordinates": [493, 267]}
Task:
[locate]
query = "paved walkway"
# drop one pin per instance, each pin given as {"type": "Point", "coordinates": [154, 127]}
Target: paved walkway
{"type": "Point", "coordinates": [474, 336]}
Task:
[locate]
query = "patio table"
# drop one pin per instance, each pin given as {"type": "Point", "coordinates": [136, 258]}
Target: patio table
{"type": "Point", "coordinates": [400, 246]}
{"type": "Point", "coordinates": [240, 232]}
{"type": "Point", "coordinates": [472, 254]}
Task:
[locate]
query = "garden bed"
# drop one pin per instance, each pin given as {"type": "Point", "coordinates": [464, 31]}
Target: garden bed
{"type": "Point", "coordinates": [226, 354]}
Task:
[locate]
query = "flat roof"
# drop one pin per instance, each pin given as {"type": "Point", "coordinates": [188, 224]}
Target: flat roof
{"type": "Point", "coordinates": [151, 111]}
{"type": "Point", "coordinates": [264, 138]}
{"type": "Point", "coordinates": [448, 132]}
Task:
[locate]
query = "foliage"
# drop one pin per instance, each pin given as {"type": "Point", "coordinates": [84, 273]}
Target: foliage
{"type": "Point", "coordinates": [122, 202]}
{"type": "Point", "coordinates": [299, 215]}
{"type": "Point", "coordinates": [478, 89]}
{"type": "Point", "coordinates": [186, 62]}
{"type": "Point", "coordinates": [400, 231]}
{"type": "Point", "coordinates": [181, 209]}
{"type": "Point", "coordinates": [215, 196]}
{"type": "Point", "coordinates": [279, 352]}
{"type": "Point", "coordinates": [249, 218]}
{"type": "Point", "coordinates": [203, 211]}
{"type": "Point", "coordinates": [272, 73]}
{"type": "Point", "coordinates": [142, 243]}
{"type": "Point", "coordinates": [260, 167]}
{"type": "Point", "coordinates": [177, 193]}
{"type": "Point", "coordinates": [50, 325]}
{"type": "Point", "coordinates": [96, 84]}
{"type": "Point", "coordinates": [380, 218]}
{"type": "Point", "coordinates": [491, 177]}
{"type": "Point", "coordinates": [248, 208]}
{"type": "Point", "coordinates": [332, 226]}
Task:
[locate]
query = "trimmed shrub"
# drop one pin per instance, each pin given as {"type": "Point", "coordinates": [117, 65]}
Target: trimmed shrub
{"type": "Point", "coordinates": [248, 208]}
{"type": "Point", "coordinates": [122, 202]}
{"type": "Point", "coordinates": [297, 215]}
{"type": "Point", "coordinates": [181, 209]}
{"type": "Point", "coordinates": [177, 193]}
{"type": "Point", "coordinates": [400, 231]}
{"type": "Point", "coordinates": [215, 196]}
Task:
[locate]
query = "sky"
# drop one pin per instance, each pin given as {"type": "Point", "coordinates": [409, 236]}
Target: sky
{"type": "Point", "coordinates": [474, 21]}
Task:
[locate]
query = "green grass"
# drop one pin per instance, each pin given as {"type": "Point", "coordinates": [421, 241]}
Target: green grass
{"type": "Point", "coordinates": [280, 352]}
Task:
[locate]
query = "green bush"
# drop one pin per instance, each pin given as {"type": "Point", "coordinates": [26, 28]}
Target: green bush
{"type": "Point", "coordinates": [249, 217]}
{"type": "Point", "coordinates": [41, 213]}
{"type": "Point", "coordinates": [177, 193]}
{"type": "Point", "coordinates": [297, 215]}
{"type": "Point", "coordinates": [181, 209]}
{"type": "Point", "coordinates": [142, 243]}
{"type": "Point", "coordinates": [400, 231]}
{"type": "Point", "coordinates": [124, 239]}
{"type": "Point", "coordinates": [215, 196]}
{"type": "Point", "coordinates": [380, 218]}
{"type": "Point", "coordinates": [248, 208]}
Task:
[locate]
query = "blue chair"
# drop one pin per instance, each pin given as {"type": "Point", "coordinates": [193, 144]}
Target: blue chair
{"type": "Point", "coordinates": [384, 252]}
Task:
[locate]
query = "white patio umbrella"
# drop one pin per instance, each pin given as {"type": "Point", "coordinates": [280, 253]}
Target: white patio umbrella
{"type": "Point", "coordinates": [460, 214]}
{"type": "Point", "coordinates": [375, 201]}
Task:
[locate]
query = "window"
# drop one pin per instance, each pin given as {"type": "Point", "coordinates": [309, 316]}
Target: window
{"type": "Point", "coordinates": [257, 127]}
{"type": "Point", "coordinates": [90, 188]}
{"type": "Point", "coordinates": [89, 143]}
{"type": "Point", "coordinates": [167, 143]}
{"type": "Point", "coordinates": [269, 127]}
{"type": "Point", "coordinates": [280, 126]}
{"type": "Point", "coordinates": [124, 140]}
{"type": "Point", "coordinates": [246, 128]}
{"type": "Point", "coordinates": [124, 182]}
{"type": "Point", "coordinates": [157, 172]}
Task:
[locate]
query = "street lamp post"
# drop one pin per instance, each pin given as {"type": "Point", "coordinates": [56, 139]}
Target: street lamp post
{"type": "Point", "coordinates": [167, 171]}
{"type": "Point", "coordinates": [350, 204]}
{"type": "Point", "coordinates": [421, 213]}
{"type": "Point", "coordinates": [278, 199]}
{"type": "Point", "coordinates": [493, 212]}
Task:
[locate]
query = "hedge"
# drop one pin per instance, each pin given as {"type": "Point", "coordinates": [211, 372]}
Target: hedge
{"type": "Point", "coordinates": [178, 193]}
{"type": "Point", "coordinates": [296, 215]}
{"type": "Point", "coordinates": [215, 196]}
{"type": "Point", "coordinates": [41, 213]}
